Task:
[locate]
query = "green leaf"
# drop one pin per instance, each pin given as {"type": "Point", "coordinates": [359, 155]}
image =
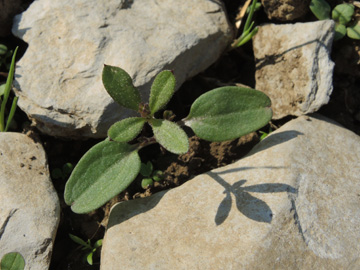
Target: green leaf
{"type": "Point", "coordinates": [67, 168]}
{"type": "Point", "coordinates": [119, 85]}
{"type": "Point", "coordinates": [170, 136]}
{"type": "Point", "coordinates": [12, 261]}
{"type": "Point", "coordinates": [104, 171]}
{"type": "Point", "coordinates": [79, 241]}
{"type": "Point", "coordinates": [162, 90]}
{"type": "Point", "coordinates": [342, 13]}
{"type": "Point", "coordinates": [89, 258]}
{"type": "Point", "coordinates": [340, 31]}
{"type": "Point", "coordinates": [146, 169]}
{"type": "Point", "coordinates": [354, 31]}
{"type": "Point", "coordinates": [98, 243]}
{"type": "Point", "coordinates": [127, 129]}
{"type": "Point", "coordinates": [321, 9]}
{"type": "Point", "coordinates": [3, 49]}
{"type": "Point", "coordinates": [2, 89]}
{"type": "Point", "coordinates": [146, 182]}
{"type": "Point", "coordinates": [7, 89]}
{"type": "Point", "coordinates": [229, 112]}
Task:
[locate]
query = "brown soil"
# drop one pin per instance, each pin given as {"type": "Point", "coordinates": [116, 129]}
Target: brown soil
{"type": "Point", "coordinates": [234, 67]}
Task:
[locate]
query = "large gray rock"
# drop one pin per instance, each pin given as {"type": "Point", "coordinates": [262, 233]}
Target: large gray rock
{"type": "Point", "coordinates": [59, 77]}
{"type": "Point", "coordinates": [292, 203]}
{"type": "Point", "coordinates": [29, 206]}
{"type": "Point", "coordinates": [293, 66]}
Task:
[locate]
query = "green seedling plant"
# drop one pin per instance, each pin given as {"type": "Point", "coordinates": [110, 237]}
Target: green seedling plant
{"type": "Point", "coordinates": [248, 31]}
{"type": "Point", "coordinates": [150, 176]}
{"type": "Point", "coordinates": [62, 173]}
{"type": "Point", "coordinates": [341, 14]}
{"type": "Point", "coordinates": [110, 166]}
{"type": "Point", "coordinates": [12, 261]}
{"type": "Point", "coordinates": [4, 95]}
{"type": "Point", "coordinates": [87, 246]}
{"type": "Point", "coordinates": [5, 55]}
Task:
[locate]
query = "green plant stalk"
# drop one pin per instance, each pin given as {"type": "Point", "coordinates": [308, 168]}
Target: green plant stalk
{"type": "Point", "coordinates": [6, 95]}
{"type": "Point", "coordinates": [247, 35]}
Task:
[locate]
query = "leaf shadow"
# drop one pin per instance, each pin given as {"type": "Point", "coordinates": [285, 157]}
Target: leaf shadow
{"type": "Point", "coordinates": [247, 204]}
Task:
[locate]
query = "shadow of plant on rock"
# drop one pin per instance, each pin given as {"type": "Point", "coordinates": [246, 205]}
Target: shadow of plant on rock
{"type": "Point", "coordinates": [247, 204]}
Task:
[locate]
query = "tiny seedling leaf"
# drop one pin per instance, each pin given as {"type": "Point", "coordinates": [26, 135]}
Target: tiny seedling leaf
{"type": "Point", "coordinates": [340, 31]}
{"type": "Point", "coordinates": [321, 9]}
{"type": "Point", "coordinates": [126, 129]}
{"type": "Point", "coordinates": [89, 258]}
{"type": "Point", "coordinates": [98, 243]}
{"type": "Point", "coordinates": [119, 85]}
{"type": "Point", "coordinates": [79, 241]}
{"type": "Point", "coordinates": [3, 49]}
{"type": "Point", "coordinates": [170, 136]}
{"type": "Point", "coordinates": [354, 31]}
{"type": "Point", "coordinates": [103, 172]}
{"type": "Point", "coordinates": [12, 261]}
{"type": "Point", "coordinates": [342, 13]}
{"type": "Point", "coordinates": [146, 169]}
{"type": "Point", "coordinates": [162, 90]}
{"type": "Point", "coordinates": [146, 182]}
{"type": "Point", "coordinates": [229, 112]}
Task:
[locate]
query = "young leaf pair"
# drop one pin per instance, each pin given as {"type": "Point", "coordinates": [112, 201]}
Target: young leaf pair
{"type": "Point", "coordinates": [110, 166]}
{"type": "Point", "coordinates": [120, 87]}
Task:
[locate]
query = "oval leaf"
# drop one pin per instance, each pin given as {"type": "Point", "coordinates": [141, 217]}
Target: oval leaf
{"type": "Point", "coordinates": [119, 85]}
{"type": "Point", "coordinates": [127, 129]}
{"type": "Point", "coordinates": [354, 31]}
{"type": "Point", "coordinates": [342, 13]}
{"type": "Point", "coordinates": [340, 31]}
{"type": "Point", "coordinates": [162, 90]}
{"type": "Point", "coordinates": [227, 113]}
{"type": "Point", "coordinates": [12, 261]}
{"type": "Point", "coordinates": [104, 171]}
{"type": "Point", "coordinates": [321, 9]}
{"type": "Point", "coordinates": [170, 136]}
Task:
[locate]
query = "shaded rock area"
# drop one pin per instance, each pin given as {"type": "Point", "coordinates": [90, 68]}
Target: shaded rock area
{"type": "Point", "coordinates": [59, 77]}
{"type": "Point", "coordinates": [29, 206]}
{"type": "Point", "coordinates": [291, 203]}
{"type": "Point", "coordinates": [9, 8]}
{"type": "Point", "coordinates": [285, 10]}
{"type": "Point", "coordinates": [293, 66]}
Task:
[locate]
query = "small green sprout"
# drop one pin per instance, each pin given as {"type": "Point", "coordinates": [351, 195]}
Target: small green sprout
{"type": "Point", "coordinates": [4, 95]}
{"type": "Point", "coordinates": [248, 31]}
{"type": "Point", "coordinates": [62, 173]}
{"type": "Point", "coordinates": [146, 170]}
{"type": "Point", "coordinates": [87, 246]}
{"type": "Point", "coordinates": [12, 261]}
{"type": "Point", "coordinates": [5, 55]}
{"type": "Point", "coordinates": [341, 14]}
{"type": "Point", "coordinates": [110, 166]}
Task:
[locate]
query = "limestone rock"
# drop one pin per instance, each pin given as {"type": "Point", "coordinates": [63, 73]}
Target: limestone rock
{"type": "Point", "coordinates": [293, 66]}
{"type": "Point", "coordinates": [291, 203]}
{"type": "Point", "coordinates": [285, 10]}
{"type": "Point", "coordinates": [29, 206]}
{"type": "Point", "coordinates": [59, 77]}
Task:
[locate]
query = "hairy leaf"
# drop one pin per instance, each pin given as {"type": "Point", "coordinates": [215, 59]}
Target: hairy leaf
{"type": "Point", "coordinates": [103, 172]}
{"type": "Point", "coordinates": [227, 113]}
{"type": "Point", "coordinates": [343, 13]}
{"type": "Point", "coordinates": [321, 9]}
{"type": "Point", "coordinates": [119, 85]}
{"type": "Point", "coordinates": [170, 136]}
{"type": "Point", "coordinates": [12, 261]}
{"type": "Point", "coordinates": [354, 31]}
{"type": "Point", "coordinates": [162, 90]}
{"type": "Point", "coordinates": [127, 129]}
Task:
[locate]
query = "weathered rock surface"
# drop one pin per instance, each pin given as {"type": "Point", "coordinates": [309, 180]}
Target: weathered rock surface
{"type": "Point", "coordinates": [293, 66]}
{"type": "Point", "coordinates": [29, 206]}
{"type": "Point", "coordinates": [292, 203]}
{"type": "Point", "coordinates": [59, 77]}
{"type": "Point", "coordinates": [285, 10]}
